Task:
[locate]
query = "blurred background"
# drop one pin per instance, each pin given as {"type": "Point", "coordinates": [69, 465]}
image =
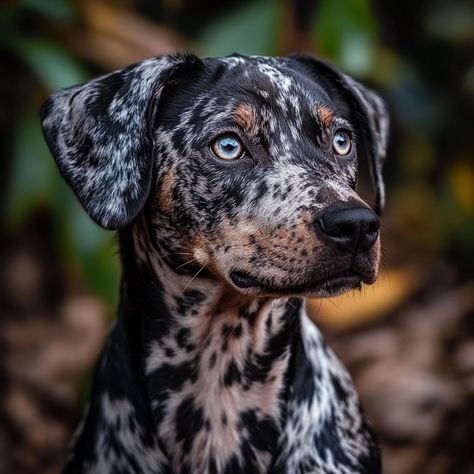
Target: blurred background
{"type": "Point", "coordinates": [408, 341]}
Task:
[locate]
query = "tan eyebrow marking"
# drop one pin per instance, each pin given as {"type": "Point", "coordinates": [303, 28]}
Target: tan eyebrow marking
{"type": "Point", "coordinates": [246, 117]}
{"type": "Point", "coordinates": [324, 114]}
{"type": "Point", "coordinates": [165, 196]}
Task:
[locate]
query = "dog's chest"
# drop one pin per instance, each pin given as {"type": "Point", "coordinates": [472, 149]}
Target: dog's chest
{"type": "Point", "coordinates": [217, 398]}
{"type": "Point", "coordinates": [223, 408]}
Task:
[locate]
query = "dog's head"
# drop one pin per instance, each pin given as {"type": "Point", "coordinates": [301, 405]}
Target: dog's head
{"type": "Point", "coordinates": [249, 164]}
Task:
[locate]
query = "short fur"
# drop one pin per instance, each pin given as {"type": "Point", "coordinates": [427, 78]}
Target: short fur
{"type": "Point", "coordinates": [200, 373]}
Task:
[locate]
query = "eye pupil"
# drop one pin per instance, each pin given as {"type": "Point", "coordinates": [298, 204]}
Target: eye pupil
{"type": "Point", "coordinates": [228, 145]}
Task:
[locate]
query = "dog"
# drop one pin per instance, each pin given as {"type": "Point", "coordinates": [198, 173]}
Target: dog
{"type": "Point", "coordinates": [231, 182]}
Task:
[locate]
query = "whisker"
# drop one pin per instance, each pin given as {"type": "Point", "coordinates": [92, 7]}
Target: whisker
{"type": "Point", "coordinates": [186, 263]}
{"type": "Point", "coordinates": [197, 273]}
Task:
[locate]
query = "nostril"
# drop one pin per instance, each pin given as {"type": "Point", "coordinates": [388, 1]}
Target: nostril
{"type": "Point", "coordinates": [346, 229]}
{"type": "Point", "coordinates": [335, 226]}
{"type": "Point", "coordinates": [373, 226]}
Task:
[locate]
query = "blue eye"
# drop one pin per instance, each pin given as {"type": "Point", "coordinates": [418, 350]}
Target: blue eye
{"type": "Point", "coordinates": [342, 143]}
{"type": "Point", "coordinates": [228, 147]}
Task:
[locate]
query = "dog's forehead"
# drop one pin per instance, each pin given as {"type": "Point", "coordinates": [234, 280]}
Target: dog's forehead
{"type": "Point", "coordinates": [270, 78]}
{"type": "Point", "coordinates": [263, 88]}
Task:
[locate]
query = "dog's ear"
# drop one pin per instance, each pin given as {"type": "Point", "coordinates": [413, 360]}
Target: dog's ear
{"type": "Point", "coordinates": [101, 135]}
{"type": "Point", "coordinates": [369, 110]}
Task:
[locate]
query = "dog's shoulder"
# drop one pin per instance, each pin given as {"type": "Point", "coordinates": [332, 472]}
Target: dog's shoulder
{"type": "Point", "coordinates": [116, 432]}
{"type": "Point", "coordinates": [326, 429]}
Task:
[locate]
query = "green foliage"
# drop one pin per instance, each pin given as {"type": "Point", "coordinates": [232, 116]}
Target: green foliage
{"type": "Point", "coordinates": [61, 10]}
{"type": "Point", "coordinates": [50, 63]}
{"type": "Point", "coordinates": [251, 29]}
{"type": "Point", "coordinates": [35, 181]}
{"type": "Point", "coordinates": [345, 31]}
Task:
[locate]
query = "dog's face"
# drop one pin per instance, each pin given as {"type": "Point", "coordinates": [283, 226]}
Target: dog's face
{"type": "Point", "coordinates": [247, 165]}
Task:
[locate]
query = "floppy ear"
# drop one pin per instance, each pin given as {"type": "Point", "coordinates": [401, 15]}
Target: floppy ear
{"type": "Point", "coordinates": [101, 135]}
{"type": "Point", "coordinates": [370, 111]}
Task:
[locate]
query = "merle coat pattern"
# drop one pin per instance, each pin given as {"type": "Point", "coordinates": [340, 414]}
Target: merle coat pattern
{"type": "Point", "coordinates": [213, 365]}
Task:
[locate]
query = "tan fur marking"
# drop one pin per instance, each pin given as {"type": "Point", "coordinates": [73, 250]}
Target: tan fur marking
{"type": "Point", "coordinates": [246, 117]}
{"type": "Point", "coordinates": [165, 197]}
{"type": "Point", "coordinates": [325, 115]}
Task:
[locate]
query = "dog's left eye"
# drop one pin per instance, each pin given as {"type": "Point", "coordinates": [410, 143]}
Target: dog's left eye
{"type": "Point", "coordinates": [228, 147]}
{"type": "Point", "coordinates": [342, 143]}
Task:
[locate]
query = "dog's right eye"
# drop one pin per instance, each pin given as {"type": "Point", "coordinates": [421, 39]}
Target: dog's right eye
{"type": "Point", "coordinates": [228, 147]}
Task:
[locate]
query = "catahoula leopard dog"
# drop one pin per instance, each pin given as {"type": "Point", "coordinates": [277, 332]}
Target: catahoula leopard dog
{"type": "Point", "coordinates": [231, 182]}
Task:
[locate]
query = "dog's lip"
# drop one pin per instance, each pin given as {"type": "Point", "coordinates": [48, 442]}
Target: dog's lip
{"type": "Point", "coordinates": [342, 280]}
{"type": "Point", "coordinates": [243, 279]}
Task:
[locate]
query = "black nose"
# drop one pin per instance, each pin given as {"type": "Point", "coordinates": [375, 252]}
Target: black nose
{"type": "Point", "coordinates": [352, 228]}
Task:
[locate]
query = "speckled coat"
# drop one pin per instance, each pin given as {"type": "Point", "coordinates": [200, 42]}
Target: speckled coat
{"type": "Point", "coordinates": [200, 373]}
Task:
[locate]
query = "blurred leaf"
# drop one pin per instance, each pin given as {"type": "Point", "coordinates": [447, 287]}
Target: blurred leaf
{"type": "Point", "coordinates": [86, 235]}
{"type": "Point", "coordinates": [53, 66]}
{"type": "Point", "coordinates": [415, 106]}
{"type": "Point", "coordinates": [85, 246]}
{"type": "Point", "coordinates": [102, 272]}
{"type": "Point", "coordinates": [418, 214]}
{"type": "Point", "coordinates": [417, 155]}
{"type": "Point", "coordinates": [32, 172]}
{"type": "Point", "coordinates": [451, 21]}
{"type": "Point", "coordinates": [345, 31]}
{"type": "Point", "coordinates": [462, 182]}
{"type": "Point", "coordinates": [251, 29]}
{"type": "Point", "coordinates": [57, 9]}
{"type": "Point", "coordinates": [388, 65]}
{"type": "Point", "coordinates": [95, 248]}
{"type": "Point", "coordinates": [8, 23]}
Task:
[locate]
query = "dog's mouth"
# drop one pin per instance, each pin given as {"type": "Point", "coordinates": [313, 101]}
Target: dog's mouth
{"type": "Point", "coordinates": [332, 285]}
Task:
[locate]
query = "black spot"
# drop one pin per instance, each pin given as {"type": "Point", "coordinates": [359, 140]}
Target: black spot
{"type": "Point", "coordinates": [212, 466]}
{"type": "Point", "coordinates": [233, 466]}
{"type": "Point", "coordinates": [340, 392]}
{"type": "Point", "coordinates": [190, 298]}
{"type": "Point", "coordinates": [182, 337]}
{"type": "Point", "coordinates": [237, 332]}
{"type": "Point", "coordinates": [169, 352]}
{"type": "Point", "coordinates": [226, 330]}
{"type": "Point", "coordinates": [261, 190]}
{"type": "Point", "coordinates": [189, 421]}
{"type": "Point", "coordinates": [232, 375]}
{"type": "Point", "coordinates": [263, 432]}
{"type": "Point", "coordinates": [259, 365]}
{"type": "Point", "coordinates": [185, 469]}
{"type": "Point", "coordinates": [327, 439]}
{"type": "Point", "coordinates": [212, 360]}
{"type": "Point", "coordinates": [171, 377]}
{"type": "Point", "coordinates": [268, 323]}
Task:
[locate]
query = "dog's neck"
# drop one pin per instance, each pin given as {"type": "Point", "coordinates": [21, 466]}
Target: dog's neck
{"type": "Point", "coordinates": [214, 363]}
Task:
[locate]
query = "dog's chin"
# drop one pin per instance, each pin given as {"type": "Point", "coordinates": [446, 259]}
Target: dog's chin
{"type": "Point", "coordinates": [329, 286]}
